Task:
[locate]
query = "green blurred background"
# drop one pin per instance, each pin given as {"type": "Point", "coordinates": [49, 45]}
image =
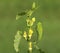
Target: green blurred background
{"type": "Point", "coordinates": [48, 14]}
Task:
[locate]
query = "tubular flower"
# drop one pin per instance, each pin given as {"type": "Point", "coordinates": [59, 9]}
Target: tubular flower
{"type": "Point", "coordinates": [30, 33]}
{"type": "Point", "coordinates": [25, 35]}
{"type": "Point", "coordinates": [28, 22]}
{"type": "Point", "coordinates": [30, 46]}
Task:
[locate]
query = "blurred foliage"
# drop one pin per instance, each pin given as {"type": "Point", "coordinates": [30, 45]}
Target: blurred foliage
{"type": "Point", "coordinates": [48, 14]}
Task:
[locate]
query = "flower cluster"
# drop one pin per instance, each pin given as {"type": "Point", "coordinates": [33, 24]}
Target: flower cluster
{"type": "Point", "coordinates": [30, 22]}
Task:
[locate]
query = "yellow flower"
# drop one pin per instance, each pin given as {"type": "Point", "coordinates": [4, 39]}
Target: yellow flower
{"type": "Point", "coordinates": [33, 19]}
{"type": "Point", "coordinates": [25, 35]}
{"type": "Point", "coordinates": [30, 33]}
{"type": "Point", "coordinates": [30, 46]}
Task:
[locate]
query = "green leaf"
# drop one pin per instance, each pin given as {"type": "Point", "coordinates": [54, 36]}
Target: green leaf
{"type": "Point", "coordinates": [17, 41]}
{"type": "Point", "coordinates": [17, 17]}
{"type": "Point", "coordinates": [40, 30]}
{"type": "Point", "coordinates": [22, 13]}
{"type": "Point", "coordinates": [29, 13]}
